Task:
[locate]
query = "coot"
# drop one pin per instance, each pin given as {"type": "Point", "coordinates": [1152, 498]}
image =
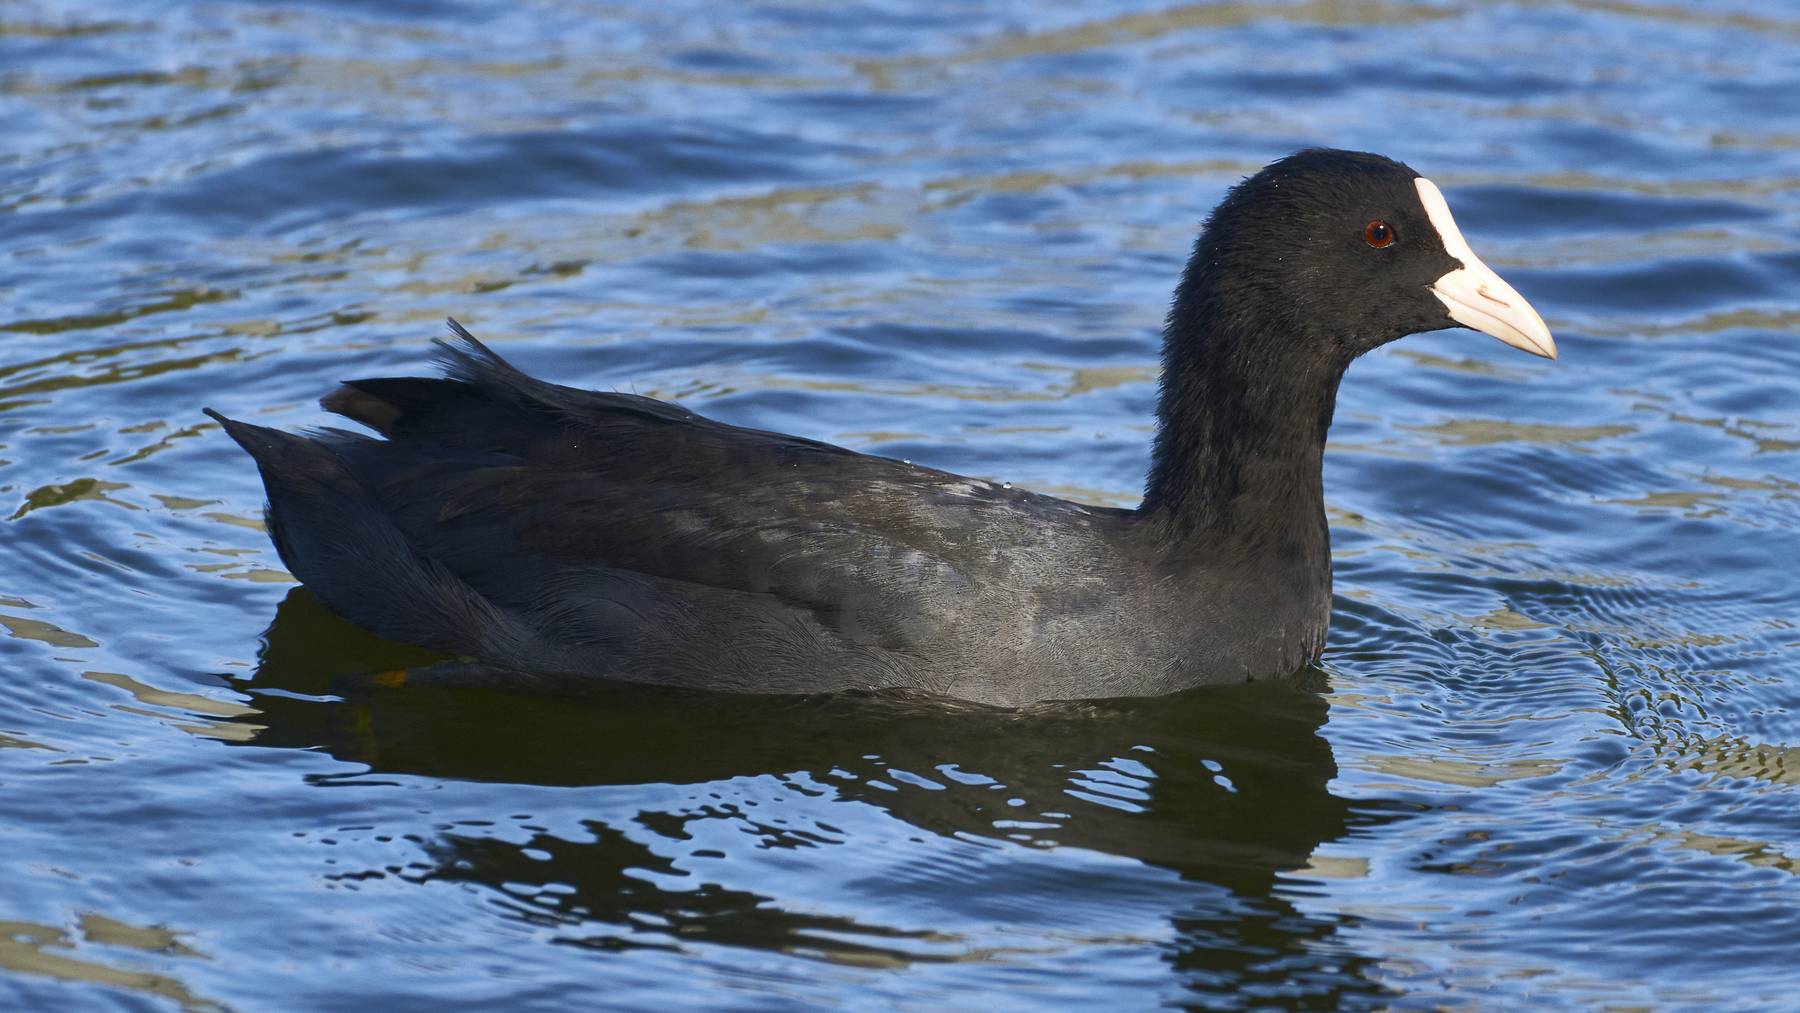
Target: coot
{"type": "Point", "coordinates": [538, 528]}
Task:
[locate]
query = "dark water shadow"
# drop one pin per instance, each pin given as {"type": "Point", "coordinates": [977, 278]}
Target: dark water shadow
{"type": "Point", "coordinates": [1227, 789]}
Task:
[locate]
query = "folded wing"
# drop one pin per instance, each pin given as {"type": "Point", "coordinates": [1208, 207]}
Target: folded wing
{"type": "Point", "coordinates": [552, 528]}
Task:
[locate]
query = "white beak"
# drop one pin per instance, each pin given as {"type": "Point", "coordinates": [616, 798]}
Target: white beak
{"type": "Point", "coordinates": [1477, 297]}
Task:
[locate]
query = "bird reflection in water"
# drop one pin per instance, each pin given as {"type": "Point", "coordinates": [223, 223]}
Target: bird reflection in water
{"type": "Point", "coordinates": [1225, 788]}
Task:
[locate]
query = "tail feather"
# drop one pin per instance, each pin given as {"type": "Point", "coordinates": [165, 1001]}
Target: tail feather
{"type": "Point", "coordinates": [334, 537]}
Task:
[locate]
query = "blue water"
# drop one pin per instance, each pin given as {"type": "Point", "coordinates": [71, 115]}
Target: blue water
{"type": "Point", "coordinates": [1552, 758]}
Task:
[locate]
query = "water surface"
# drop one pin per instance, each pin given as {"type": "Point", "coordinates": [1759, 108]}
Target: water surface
{"type": "Point", "coordinates": [1552, 757]}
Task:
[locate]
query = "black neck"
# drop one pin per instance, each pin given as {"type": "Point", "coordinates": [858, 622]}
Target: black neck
{"type": "Point", "coordinates": [1247, 397]}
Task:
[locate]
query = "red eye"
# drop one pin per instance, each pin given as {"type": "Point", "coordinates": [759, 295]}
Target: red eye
{"type": "Point", "coordinates": [1379, 234]}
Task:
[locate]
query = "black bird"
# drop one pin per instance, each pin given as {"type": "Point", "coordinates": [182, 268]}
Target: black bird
{"type": "Point", "coordinates": [544, 529]}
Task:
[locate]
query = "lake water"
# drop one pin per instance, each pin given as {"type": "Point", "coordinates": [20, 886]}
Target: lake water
{"type": "Point", "coordinates": [1552, 758]}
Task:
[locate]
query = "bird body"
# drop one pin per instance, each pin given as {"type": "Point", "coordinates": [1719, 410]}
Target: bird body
{"type": "Point", "coordinates": [542, 528]}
